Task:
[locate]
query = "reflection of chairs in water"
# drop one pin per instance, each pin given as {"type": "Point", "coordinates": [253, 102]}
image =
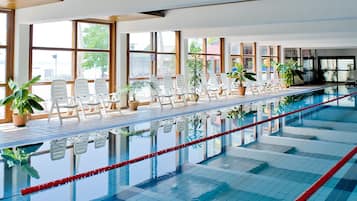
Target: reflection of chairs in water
{"type": "Point", "coordinates": [58, 149]}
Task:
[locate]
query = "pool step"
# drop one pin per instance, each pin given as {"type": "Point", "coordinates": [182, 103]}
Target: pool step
{"type": "Point", "coordinates": [271, 147]}
{"type": "Point", "coordinates": [331, 125]}
{"type": "Point", "coordinates": [190, 185]}
{"type": "Point", "coordinates": [253, 183]}
{"type": "Point", "coordinates": [299, 136]}
{"type": "Point", "coordinates": [324, 135]}
{"type": "Point", "coordinates": [236, 164]}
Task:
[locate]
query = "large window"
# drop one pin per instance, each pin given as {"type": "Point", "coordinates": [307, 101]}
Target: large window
{"type": "Point", "coordinates": [69, 50]}
{"type": "Point", "coordinates": [269, 54]}
{"type": "Point", "coordinates": [244, 53]}
{"type": "Point", "coordinates": [336, 69]}
{"type": "Point", "coordinates": [152, 54]}
{"type": "Point", "coordinates": [210, 50]}
{"type": "Point", "coordinates": [6, 58]}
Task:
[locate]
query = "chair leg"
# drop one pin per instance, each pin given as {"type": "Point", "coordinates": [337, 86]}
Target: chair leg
{"type": "Point", "coordinates": [50, 113]}
{"type": "Point", "coordinates": [77, 114]}
{"type": "Point", "coordinates": [171, 102]}
{"type": "Point", "coordinates": [59, 114]}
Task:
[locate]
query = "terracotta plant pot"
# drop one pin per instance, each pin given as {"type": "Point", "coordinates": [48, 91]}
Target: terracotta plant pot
{"type": "Point", "coordinates": [133, 105]}
{"type": "Point", "coordinates": [241, 91]}
{"type": "Point", "coordinates": [19, 120]}
{"type": "Point", "coordinates": [195, 97]}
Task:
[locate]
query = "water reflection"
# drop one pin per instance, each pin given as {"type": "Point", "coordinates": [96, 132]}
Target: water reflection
{"type": "Point", "coordinates": [69, 156]}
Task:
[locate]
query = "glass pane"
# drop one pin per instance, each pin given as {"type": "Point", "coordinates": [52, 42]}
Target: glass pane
{"type": "Point", "coordinates": [166, 65]}
{"type": "Point", "coordinates": [52, 64]}
{"type": "Point", "coordinates": [330, 76]}
{"type": "Point", "coordinates": [308, 64]}
{"type": "Point", "coordinates": [166, 42]}
{"type": "Point", "coordinates": [2, 65]}
{"type": "Point", "coordinates": [264, 51]}
{"type": "Point", "coordinates": [248, 63]}
{"type": "Point", "coordinates": [274, 51]}
{"type": "Point", "coordinates": [235, 48]}
{"type": "Point", "coordinates": [3, 28]}
{"type": "Point", "coordinates": [342, 76]}
{"type": "Point", "coordinates": [236, 60]}
{"type": "Point", "coordinates": [140, 65]}
{"type": "Point", "coordinates": [328, 64]}
{"type": "Point", "coordinates": [213, 64]}
{"type": "Point", "coordinates": [248, 48]}
{"type": "Point", "coordinates": [54, 34]}
{"type": "Point", "coordinates": [345, 64]}
{"type": "Point", "coordinates": [2, 108]}
{"type": "Point", "coordinates": [195, 45]}
{"type": "Point", "coordinates": [213, 46]}
{"type": "Point", "coordinates": [93, 65]}
{"type": "Point", "coordinates": [141, 41]}
{"type": "Point", "coordinates": [93, 36]}
{"type": "Point", "coordinates": [291, 52]}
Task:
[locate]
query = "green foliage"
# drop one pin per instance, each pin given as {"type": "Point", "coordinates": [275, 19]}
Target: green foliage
{"type": "Point", "coordinates": [96, 36]}
{"type": "Point", "coordinates": [195, 66]}
{"type": "Point", "coordinates": [22, 101]}
{"type": "Point", "coordinates": [239, 74]}
{"type": "Point", "coordinates": [195, 131]}
{"type": "Point", "coordinates": [133, 88]}
{"type": "Point", "coordinates": [288, 70]}
{"type": "Point", "coordinates": [20, 157]}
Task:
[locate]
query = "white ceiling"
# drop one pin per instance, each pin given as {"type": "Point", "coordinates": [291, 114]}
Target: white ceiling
{"type": "Point", "coordinates": [79, 9]}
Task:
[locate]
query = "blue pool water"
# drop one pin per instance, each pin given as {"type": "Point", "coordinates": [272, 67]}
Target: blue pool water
{"type": "Point", "coordinates": [277, 160]}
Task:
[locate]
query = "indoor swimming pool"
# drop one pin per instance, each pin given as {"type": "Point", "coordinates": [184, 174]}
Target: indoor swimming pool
{"type": "Point", "coordinates": [268, 150]}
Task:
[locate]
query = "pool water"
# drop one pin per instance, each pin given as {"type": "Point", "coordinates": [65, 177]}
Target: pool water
{"type": "Point", "coordinates": [276, 160]}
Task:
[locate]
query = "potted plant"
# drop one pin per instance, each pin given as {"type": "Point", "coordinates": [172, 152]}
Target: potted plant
{"type": "Point", "coordinates": [22, 101]}
{"type": "Point", "coordinates": [287, 71]}
{"type": "Point", "coordinates": [133, 89]}
{"type": "Point", "coordinates": [239, 74]}
{"type": "Point", "coordinates": [194, 65]}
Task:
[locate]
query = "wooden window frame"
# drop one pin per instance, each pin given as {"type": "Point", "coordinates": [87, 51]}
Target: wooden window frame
{"type": "Point", "coordinates": [242, 55]}
{"type": "Point", "coordinates": [9, 58]}
{"type": "Point", "coordinates": [204, 54]}
{"type": "Point", "coordinates": [75, 51]}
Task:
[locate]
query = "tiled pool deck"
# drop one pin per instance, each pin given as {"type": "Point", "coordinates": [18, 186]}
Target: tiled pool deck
{"type": "Point", "coordinates": [41, 130]}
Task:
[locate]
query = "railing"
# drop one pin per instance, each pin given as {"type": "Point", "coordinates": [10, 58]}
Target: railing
{"type": "Point", "coordinates": [79, 176]}
{"type": "Point", "coordinates": [327, 176]}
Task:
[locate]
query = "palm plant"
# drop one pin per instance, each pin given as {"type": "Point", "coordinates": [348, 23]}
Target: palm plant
{"type": "Point", "coordinates": [133, 89]}
{"type": "Point", "coordinates": [22, 101]}
{"type": "Point", "coordinates": [287, 71]}
{"type": "Point", "coordinates": [239, 74]}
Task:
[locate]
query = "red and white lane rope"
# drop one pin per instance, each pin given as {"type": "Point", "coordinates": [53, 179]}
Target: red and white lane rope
{"type": "Point", "coordinates": [79, 176]}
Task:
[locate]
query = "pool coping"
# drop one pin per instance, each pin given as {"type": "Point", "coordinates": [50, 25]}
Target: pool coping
{"type": "Point", "coordinates": [38, 130]}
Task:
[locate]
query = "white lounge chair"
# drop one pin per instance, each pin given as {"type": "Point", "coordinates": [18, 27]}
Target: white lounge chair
{"type": "Point", "coordinates": [60, 100]}
{"type": "Point", "coordinates": [212, 86]}
{"type": "Point", "coordinates": [163, 91]}
{"type": "Point", "coordinates": [89, 104]}
{"type": "Point", "coordinates": [225, 86]}
{"type": "Point", "coordinates": [109, 101]}
{"type": "Point", "coordinates": [181, 88]}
